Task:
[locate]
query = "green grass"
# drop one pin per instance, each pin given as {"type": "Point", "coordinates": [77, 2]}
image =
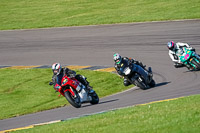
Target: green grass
{"type": "Point", "coordinates": [26, 14]}
{"type": "Point", "coordinates": [177, 116]}
{"type": "Point", "coordinates": [24, 91]}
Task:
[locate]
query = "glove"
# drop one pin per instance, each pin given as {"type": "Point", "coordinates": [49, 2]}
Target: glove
{"type": "Point", "coordinates": [71, 75]}
{"type": "Point", "coordinates": [179, 62]}
{"type": "Point", "coordinates": [131, 60]}
{"type": "Point", "coordinates": [193, 49]}
{"type": "Point", "coordinates": [51, 83]}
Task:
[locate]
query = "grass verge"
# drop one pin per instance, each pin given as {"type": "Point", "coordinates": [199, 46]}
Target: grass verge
{"type": "Point", "coordinates": [24, 91]}
{"type": "Point", "coordinates": [26, 14]}
{"type": "Point", "coordinates": [177, 116]}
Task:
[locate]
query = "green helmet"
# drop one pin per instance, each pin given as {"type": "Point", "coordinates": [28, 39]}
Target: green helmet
{"type": "Point", "coordinates": [117, 58]}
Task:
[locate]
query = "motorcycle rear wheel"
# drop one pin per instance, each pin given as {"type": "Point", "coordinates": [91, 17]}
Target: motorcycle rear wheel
{"type": "Point", "coordinates": [76, 102]}
{"type": "Point", "coordinates": [95, 98]}
{"type": "Point", "coordinates": [153, 83]}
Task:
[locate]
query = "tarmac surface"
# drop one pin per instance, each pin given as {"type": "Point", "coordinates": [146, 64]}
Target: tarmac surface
{"type": "Point", "coordinates": [95, 46]}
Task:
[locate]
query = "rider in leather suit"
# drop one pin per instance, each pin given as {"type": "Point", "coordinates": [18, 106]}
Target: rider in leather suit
{"type": "Point", "coordinates": [59, 72]}
{"type": "Point", "coordinates": [137, 67]}
{"type": "Point", "coordinates": [173, 48]}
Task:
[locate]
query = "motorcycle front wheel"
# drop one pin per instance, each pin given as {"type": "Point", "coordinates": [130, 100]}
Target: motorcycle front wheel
{"type": "Point", "coordinates": [73, 100]}
{"type": "Point", "coordinates": [196, 64]}
{"type": "Point", "coordinates": [140, 85]}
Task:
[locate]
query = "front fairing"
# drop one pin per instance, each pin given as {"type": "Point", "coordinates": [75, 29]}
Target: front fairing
{"type": "Point", "coordinates": [124, 68]}
{"type": "Point", "coordinates": [68, 84]}
{"type": "Point", "coordinates": [69, 81]}
{"type": "Point", "coordinates": [185, 55]}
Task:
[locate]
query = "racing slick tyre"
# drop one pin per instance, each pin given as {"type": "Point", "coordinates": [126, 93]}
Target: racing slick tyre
{"type": "Point", "coordinates": [140, 85]}
{"type": "Point", "coordinates": [95, 98]}
{"type": "Point", "coordinates": [73, 100]}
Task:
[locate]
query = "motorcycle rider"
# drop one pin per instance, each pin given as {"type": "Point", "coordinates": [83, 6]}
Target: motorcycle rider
{"type": "Point", "coordinates": [177, 47]}
{"type": "Point", "coordinates": [137, 66]}
{"type": "Point", "coordinates": [59, 72]}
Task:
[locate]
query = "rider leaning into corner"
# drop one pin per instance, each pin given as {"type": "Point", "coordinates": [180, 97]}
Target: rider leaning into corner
{"type": "Point", "coordinates": [173, 48]}
{"type": "Point", "coordinates": [59, 72]}
{"type": "Point", "coordinates": [137, 67]}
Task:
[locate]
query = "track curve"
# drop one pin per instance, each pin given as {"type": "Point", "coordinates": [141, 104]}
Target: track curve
{"type": "Point", "coordinates": [95, 45]}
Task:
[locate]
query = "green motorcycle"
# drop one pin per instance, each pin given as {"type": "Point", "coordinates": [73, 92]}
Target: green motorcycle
{"type": "Point", "coordinates": [189, 58]}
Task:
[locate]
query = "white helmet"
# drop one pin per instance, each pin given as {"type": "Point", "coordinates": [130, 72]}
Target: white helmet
{"type": "Point", "coordinates": [56, 68]}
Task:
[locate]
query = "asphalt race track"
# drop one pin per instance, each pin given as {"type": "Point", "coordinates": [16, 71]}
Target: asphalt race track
{"type": "Point", "coordinates": [95, 45]}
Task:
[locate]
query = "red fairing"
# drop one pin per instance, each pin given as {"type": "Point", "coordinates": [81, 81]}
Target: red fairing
{"type": "Point", "coordinates": [69, 81]}
{"type": "Point", "coordinates": [66, 81]}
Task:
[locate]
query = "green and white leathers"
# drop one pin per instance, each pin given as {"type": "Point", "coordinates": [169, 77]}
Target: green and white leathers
{"type": "Point", "coordinates": [189, 58]}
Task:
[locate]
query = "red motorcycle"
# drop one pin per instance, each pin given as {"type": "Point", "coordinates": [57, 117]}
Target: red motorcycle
{"type": "Point", "coordinates": [75, 92]}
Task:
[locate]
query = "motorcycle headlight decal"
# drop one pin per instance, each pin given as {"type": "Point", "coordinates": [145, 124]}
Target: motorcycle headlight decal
{"type": "Point", "coordinates": [127, 71]}
{"type": "Point", "coordinates": [64, 81]}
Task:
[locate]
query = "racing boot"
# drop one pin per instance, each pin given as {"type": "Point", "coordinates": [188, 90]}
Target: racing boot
{"type": "Point", "coordinates": [87, 84]}
{"type": "Point", "coordinates": [89, 88]}
{"type": "Point", "coordinates": [190, 68]}
{"type": "Point", "coordinates": [126, 82]}
{"type": "Point", "coordinates": [150, 72]}
{"type": "Point", "coordinates": [178, 65]}
{"type": "Point", "coordinates": [147, 78]}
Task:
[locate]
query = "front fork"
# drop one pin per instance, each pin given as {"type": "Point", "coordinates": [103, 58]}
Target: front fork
{"type": "Point", "coordinates": [132, 78]}
{"type": "Point", "coordinates": [191, 64]}
{"type": "Point", "coordinates": [70, 89]}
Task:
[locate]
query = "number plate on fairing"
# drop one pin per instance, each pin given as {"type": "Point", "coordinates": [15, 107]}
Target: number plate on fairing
{"type": "Point", "coordinates": [127, 71]}
{"type": "Point", "coordinates": [186, 56]}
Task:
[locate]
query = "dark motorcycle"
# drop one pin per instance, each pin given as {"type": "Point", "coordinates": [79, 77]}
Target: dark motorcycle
{"type": "Point", "coordinates": [135, 78]}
